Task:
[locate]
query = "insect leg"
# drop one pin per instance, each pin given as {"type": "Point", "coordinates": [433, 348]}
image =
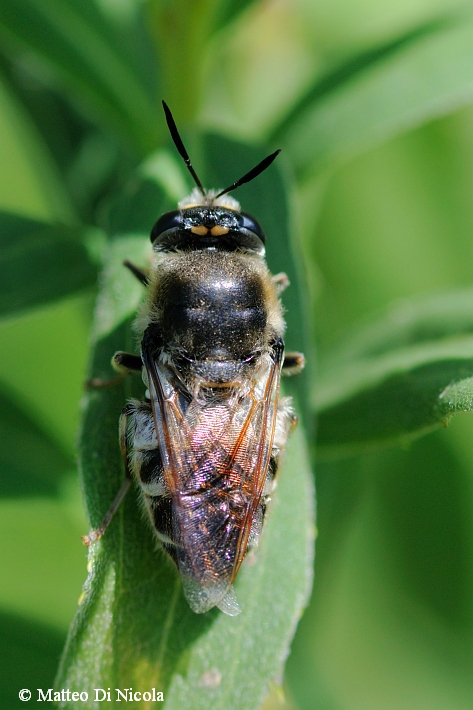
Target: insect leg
{"type": "Point", "coordinates": [141, 274]}
{"type": "Point", "coordinates": [280, 281]}
{"type": "Point", "coordinates": [294, 363]}
{"type": "Point", "coordinates": [124, 364]}
{"type": "Point", "coordinates": [98, 532]}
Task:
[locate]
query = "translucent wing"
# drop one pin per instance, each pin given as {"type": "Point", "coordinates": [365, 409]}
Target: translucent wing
{"type": "Point", "coordinates": [216, 452]}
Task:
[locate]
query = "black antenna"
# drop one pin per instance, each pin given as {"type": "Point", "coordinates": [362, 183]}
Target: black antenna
{"type": "Point", "coordinates": [180, 146]}
{"type": "Point", "coordinates": [254, 172]}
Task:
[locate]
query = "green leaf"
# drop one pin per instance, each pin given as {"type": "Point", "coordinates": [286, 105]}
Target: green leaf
{"type": "Point", "coordinates": [230, 10]}
{"type": "Point", "coordinates": [75, 42]}
{"type": "Point", "coordinates": [398, 377]}
{"type": "Point", "coordinates": [420, 77]}
{"type": "Point", "coordinates": [134, 627]}
{"type": "Point", "coordinates": [137, 207]}
{"type": "Point", "coordinates": [29, 652]}
{"type": "Point", "coordinates": [43, 564]}
{"type": "Point", "coordinates": [405, 324]}
{"type": "Point", "coordinates": [40, 262]}
{"type": "Point", "coordinates": [30, 461]}
{"type": "Point", "coordinates": [29, 182]}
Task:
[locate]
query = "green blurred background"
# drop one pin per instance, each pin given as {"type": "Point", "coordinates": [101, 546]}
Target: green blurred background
{"type": "Point", "coordinates": [390, 622]}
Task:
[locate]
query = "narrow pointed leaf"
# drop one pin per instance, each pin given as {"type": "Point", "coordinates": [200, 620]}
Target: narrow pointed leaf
{"type": "Point", "coordinates": [134, 627]}
{"type": "Point", "coordinates": [398, 377]}
{"type": "Point", "coordinates": [30, 183]}
{"type": "Point", "coordinates": [74, 41]}
{"type": "Point", "coordinates": [30, 461]}
{"type": "Point", "coordinates": [40, 262]}
{"type": "Point", "coordinates": [407, 324]}
{"type": "Point", "coordinates": [229, 11]}
{"type": "Point", "coordinates": [29, 652]}
{"type": "Point", "coordinates": [426, 77]}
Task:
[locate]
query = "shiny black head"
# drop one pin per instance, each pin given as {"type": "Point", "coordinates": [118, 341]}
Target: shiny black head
{"type": "Point", "coordinates": [207, 227]}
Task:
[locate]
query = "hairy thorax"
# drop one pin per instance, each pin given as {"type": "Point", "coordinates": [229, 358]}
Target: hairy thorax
{"type": "Point", "coordinates": [217, 313]}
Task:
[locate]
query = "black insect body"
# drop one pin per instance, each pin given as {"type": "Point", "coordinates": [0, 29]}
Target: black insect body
{"type": "Point", "coordinates": [205, 443]}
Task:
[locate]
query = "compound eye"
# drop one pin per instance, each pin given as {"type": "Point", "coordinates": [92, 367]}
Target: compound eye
{"type": "Point", "coordinates": [169, 220]}
{"type": "Point", "coordinates": [250, 223]}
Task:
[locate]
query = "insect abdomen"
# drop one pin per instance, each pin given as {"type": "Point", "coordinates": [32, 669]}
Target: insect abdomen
{"type": "Point", "coordinates": [147, 467]}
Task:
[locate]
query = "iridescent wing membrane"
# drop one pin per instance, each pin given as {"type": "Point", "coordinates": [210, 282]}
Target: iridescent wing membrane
{"type": "Point", "coordinates": [215, 456]}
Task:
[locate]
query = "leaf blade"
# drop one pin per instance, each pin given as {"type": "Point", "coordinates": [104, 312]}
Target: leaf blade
{"type": "Point", "coordinates": [133, 601]}
{"type": "Point", "coordinates": [76, 44]}
{"type": "Point", "coordinates": [36, 471]}
{"type": "Point", "coordinates": [423, 79]}
{"type": "Point", "coordinates": [40, 263]}
{"type": "Point", "coordinates": [398, 377]}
